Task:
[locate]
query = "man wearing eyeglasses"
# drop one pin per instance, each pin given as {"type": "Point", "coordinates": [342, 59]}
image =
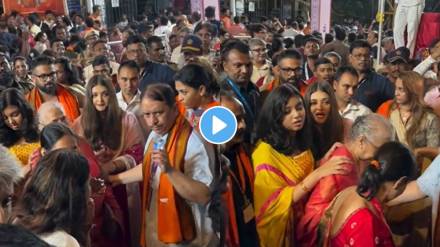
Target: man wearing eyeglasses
{"type": "Point", "coordinates": [46, 89]}
{"type": "Point", "coordinates": [290, 70]}
{"type": "Point", "coordinates": [373, 88]}
{"type": "Point", "coordinates": [9, 175]}
{"type": "Point", "coordinates": [261, 66]}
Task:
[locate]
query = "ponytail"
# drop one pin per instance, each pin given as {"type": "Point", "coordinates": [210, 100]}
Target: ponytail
{"type": "Point", "coordinates": [370, 182]}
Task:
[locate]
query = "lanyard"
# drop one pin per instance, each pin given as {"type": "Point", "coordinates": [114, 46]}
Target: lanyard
{"type": "Point", "coordinates": [241, 184]}
{"type": "Point", "coordinates": [306, 70]}
{"type": "Point", "coordinates": [240, 97]}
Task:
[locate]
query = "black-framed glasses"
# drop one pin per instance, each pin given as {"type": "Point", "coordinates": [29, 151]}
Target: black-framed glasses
{"type": "Point", "coordinates": [290, 70]}
{"type": "Point", "coordinates": [262, 50]}
{"type": "Point", "coordinates": [44, 77]}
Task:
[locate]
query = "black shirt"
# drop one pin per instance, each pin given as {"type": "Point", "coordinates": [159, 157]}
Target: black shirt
{"type": "Point", "coordinates": [374, 90]}
{"type": "Point", "coordinates": [250, 98]}
{"type": "Point", "coordinates": [156, 73]}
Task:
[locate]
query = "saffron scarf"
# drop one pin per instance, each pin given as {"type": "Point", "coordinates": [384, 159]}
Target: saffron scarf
{"type": "Point", "coordinates": [65, 98]}
{"type": "Point", "coordinates": [175, 219]}
{"type": "Point", "coordinates": [244, 169]}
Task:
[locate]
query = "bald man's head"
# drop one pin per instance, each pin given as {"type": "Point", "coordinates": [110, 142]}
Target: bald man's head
{"type": "Point", "coordinates": [51, 112]}
{"type": "Point", "coordinates": [229, 101]}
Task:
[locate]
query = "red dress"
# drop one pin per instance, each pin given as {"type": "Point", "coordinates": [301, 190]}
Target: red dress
{"type": "Point", "coordinates": [364, 228]}
{"type": "Point", "coordinates": [321, 196]}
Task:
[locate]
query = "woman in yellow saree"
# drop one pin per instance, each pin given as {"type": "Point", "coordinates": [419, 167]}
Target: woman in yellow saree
{"type": "Point", "coordinates": [284, 166]}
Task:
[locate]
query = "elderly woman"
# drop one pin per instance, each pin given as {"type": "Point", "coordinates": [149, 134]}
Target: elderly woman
{"type": "Point", "coordinates": [9, 175]}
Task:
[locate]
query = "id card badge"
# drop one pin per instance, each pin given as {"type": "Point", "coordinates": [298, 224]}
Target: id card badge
{"type": "Point", "coordinates": [248, 212]}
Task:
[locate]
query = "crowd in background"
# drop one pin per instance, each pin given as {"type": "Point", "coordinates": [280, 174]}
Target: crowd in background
{"type": "Point", "coordinates": [335, 145]}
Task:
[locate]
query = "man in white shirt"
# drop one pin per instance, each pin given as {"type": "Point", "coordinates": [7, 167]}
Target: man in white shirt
{"type": "Point", "coordinates": [129, 98]}
{"type": "Point", "coordinates": [163, 30]}
{"type": "Point", "coordinates": [345, 84]}
{"type": "Point", "coordinates": [187, 174]}
{"type": "Point", "coordinates": [408, 14]}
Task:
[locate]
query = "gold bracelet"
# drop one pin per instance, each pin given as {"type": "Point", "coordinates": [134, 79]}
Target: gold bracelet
{"type": "Point", "coordinates": [304, 187]}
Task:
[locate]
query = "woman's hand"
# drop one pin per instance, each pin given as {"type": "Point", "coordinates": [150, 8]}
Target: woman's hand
{"type": "Point", "coordinates": [336, 165]}
{"type": "Point", "coordinates": [332, 149]}
{"type": "Point", "coordinates": [106, 169]}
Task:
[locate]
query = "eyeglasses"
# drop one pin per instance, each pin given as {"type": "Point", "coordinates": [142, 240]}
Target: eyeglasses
{"type": "Point", "coordinates": [362, 56]}
{"type": "Point", "coordinates": [138, 51]}
{"type": "Point", "coordinates": [44, 77]}
{"type": "Point", "coordinates": [262, 50]}
{"type": "Point", "coordinates": [290, 70]}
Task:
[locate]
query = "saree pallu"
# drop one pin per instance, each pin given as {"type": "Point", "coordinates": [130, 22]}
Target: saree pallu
{"type": "Point", "coordinates": [276, 177]}
{"type": "Point", "coordinates": [322, 195]}
{"type": "Point", "coordinates": [130, 152]}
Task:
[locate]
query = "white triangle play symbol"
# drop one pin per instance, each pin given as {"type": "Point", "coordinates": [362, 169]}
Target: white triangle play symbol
{"type": "Point", "coordinates": [217, 125]}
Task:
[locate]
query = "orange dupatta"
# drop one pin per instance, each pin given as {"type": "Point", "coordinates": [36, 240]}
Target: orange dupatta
{"type": "Point", "coordinates": [65, 98]}
{"type": "Point", "coordinates": [175, 219]}
{"type": "Point", "coordinates": [385, 109]}
{"type": "Point", "coordinates": [245, 168]}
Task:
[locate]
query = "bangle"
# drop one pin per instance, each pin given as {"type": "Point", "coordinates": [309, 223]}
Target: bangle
{"type": "Point", "coordinates": [304, 187]}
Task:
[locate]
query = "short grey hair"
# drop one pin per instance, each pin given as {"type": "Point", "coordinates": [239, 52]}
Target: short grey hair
{"type": "Point", "coordinates": [47, 106]}
{"type": "Point", "coordinates": [333, 54]}
{"type": "Point", "coordinates": [256, 42]}
{"type": "Point", "coordinates": [9, 168]}
{"type": "Point", "coordinates": [371, 126]}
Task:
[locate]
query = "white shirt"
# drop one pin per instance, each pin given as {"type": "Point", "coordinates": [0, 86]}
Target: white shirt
{"type": "Point", "coordinates": [133, 105]}
{"type": "Point", "coordinates": [408, 3]}
{"type": "Point", "coordinates": [60, 239]}
{"type": "Point", "coordinates": [162, 31]}
{"type": "Point", "coordinates": [198, 158]}
{"type": "Point", "coordinates": [429, 184]}
{"type": "Point", "coordinates": [354, 110]}
{"type": "Point", "coordinates": [290, 33]}
{"type": "Point", "coordinates": [424, 68]}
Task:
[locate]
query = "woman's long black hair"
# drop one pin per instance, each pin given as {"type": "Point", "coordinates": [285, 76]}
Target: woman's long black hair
{"type": "Point", "coordinates": [28, 129]}
{"type": "Point", "coordinates": [270, 128]}
{"type": "Point", "coordinates": [392, 161]}
{"type": "Point", "coordinates": [52, 133]}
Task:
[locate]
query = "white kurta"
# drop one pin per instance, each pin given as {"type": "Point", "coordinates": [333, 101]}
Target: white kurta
{"type": "Point", "coordinates": [198, 158]}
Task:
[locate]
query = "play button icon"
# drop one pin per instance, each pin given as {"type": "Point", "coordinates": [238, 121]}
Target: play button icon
{"type": "Point", "coordinates": [218, 125]}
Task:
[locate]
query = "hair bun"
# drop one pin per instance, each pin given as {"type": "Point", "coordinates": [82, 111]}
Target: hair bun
{"type": "Point", "coordinates": [375, 164]}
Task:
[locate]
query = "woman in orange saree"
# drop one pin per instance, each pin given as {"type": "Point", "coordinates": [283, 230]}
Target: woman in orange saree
{"type": "Point", "coordinates": [284, 167]}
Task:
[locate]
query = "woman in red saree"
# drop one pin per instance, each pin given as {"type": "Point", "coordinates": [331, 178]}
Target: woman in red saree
{"type": "Point", "coordinates": [118, 143]}
{"type": "Point", "coordinates": [355, 217]}
{"type": "Point", "coordinates": [284, 167]}
{"type": "Point", "coordinates": [368, 132]}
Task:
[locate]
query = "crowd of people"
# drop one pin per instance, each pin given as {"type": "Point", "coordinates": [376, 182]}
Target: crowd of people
{"type": "Point", "coordinates": [100, 140]}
